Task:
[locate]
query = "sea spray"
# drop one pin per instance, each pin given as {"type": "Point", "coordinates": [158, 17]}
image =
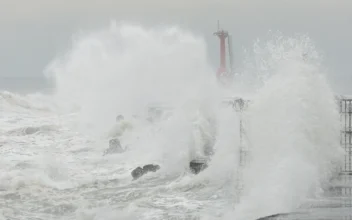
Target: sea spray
{"type": "Point", "coordinates": [125, 69]}
{"type": "Point", "coordinates": [290, 124]}
{"type": "Point", "coordinates": [294, 131]}
{"type": "Point", "coordinates": [122, 69]}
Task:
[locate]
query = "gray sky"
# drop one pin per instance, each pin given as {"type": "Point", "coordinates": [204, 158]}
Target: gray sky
{"type": "Point", "coordinates": [34, 31]}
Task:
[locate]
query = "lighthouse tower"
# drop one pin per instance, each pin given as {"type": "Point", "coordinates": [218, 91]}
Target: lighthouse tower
{"type": "Point", "coordinates": [224, 74]}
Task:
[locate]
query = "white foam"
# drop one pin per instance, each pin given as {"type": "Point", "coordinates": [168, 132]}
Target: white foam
{"type": "Point", "coordinates": [292, 127]}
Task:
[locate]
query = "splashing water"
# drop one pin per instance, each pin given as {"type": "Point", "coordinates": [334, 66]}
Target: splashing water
{"type": "Point", "coordinates": [122, 69]}
{"type": "Point", "coordinates": [294, 130]}
{"type": "Point", "coordinates": [291, 127]}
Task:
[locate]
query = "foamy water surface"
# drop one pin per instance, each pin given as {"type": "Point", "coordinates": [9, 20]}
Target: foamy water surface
{"type": "Point", "coordinates": [51, 146]}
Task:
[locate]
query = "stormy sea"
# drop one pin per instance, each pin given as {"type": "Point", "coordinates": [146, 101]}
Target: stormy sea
{"type": "Point", "coordinates": [55, 130]}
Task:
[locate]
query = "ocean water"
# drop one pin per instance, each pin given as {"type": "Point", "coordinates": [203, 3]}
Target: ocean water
{"type": "Point", "coordinates": [53, 135]}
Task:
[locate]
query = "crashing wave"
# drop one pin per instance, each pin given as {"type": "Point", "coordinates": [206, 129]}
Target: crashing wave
{"type": "Point", "coordinates": [11, 100]}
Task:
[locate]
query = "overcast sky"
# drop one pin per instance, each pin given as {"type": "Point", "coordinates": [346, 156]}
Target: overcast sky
{"type": "Point", "coordinates": [34, 31]}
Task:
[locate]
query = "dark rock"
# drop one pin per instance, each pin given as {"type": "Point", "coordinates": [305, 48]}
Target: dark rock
{"type": "Point", "coordinates": [114, 147]}
{"type": "Point", "coordinates": [138, 172]}
{"type": "Point", "coordinates": [197, 166]}
{"type": "Point", "coordinates": [151, 167]}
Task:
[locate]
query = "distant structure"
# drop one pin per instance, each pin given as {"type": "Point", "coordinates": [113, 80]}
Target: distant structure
{"type": "Point", "coordinates": [224, 73]}
{"type": "Point", "coordinates": [345, 104]}
{"type": "Point", "coordinates": [240, 105]}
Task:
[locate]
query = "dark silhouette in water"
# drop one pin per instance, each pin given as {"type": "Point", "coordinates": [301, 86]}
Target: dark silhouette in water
{"type": "Point", "coordinates": [138, 172]}
{"type": "Point", "coordinates": [114, 147]}
{"type": "Point", "coordinates": [117, 131]}
{"type": "Point", "coordinates": [197, 166]}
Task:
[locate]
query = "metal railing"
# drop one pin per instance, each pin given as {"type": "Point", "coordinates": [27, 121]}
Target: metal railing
{"type": "Point", "coordinates": [345, 108]}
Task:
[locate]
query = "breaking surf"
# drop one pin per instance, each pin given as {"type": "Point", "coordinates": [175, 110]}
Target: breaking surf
{"type": "Point", "coordinates": [161, 82]}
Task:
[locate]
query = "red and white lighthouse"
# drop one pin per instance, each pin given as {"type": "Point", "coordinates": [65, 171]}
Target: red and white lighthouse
{"type": "Point", "coordinates": [224, 74]}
